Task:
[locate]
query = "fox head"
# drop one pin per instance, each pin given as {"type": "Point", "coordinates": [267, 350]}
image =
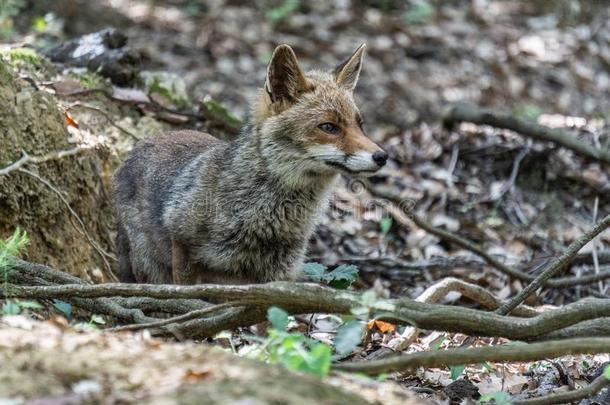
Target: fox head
{"type": "Point", "coordinates": [309, 123]}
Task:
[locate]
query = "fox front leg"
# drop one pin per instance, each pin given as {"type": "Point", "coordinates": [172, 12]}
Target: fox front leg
{"type": "Point", "coordinates": [182, 272]}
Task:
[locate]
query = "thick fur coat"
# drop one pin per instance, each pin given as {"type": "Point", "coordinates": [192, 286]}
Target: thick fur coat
{"type": "Point", "coordinates": [192, 208]}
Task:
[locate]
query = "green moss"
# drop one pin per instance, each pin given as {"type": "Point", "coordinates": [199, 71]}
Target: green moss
{"type": "Point", "coordinates": [89, 80]}
{"type": "Point", "coordinates": [25, 56]}
{"type": "Point", "coordinates": [168, 85]}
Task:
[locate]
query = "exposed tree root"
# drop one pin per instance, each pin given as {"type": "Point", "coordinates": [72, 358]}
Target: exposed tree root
{"type": "Point", "coordinates": [482, 116]}
{"type": "Point", "coordinates": [452, 357]}
{"type": "Point", "coordinates": [308, 298]}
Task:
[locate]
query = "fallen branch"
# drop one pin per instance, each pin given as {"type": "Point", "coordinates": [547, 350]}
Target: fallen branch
{"type": "Point", "coordinates": [567, 397]}
{"type": "Point", "coordinates": [482, 116]}
{"type": "Point", "coordinates": [453, 357]}
{"type": "Point", "coordinates": [555, 266]}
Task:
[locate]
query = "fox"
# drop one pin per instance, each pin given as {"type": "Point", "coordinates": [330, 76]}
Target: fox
{"type": "Point", "coordinates": [194, 209]}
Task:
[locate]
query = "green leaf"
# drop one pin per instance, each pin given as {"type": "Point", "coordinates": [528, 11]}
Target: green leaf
{"type": "Point", "coordinates": [278, 318]}
{"type": "Point", "coordinates": [10, 307]}
{"type": "Point", "coordinates": [346, 272]}
{"type": "Point", "coordinates": [97, 319]}
{"type": "Point", "coordinates": [607, 372]}
{"type": "Point", "coordinates": [501, 398]}
{"type": "Point", "coordinates": [63, 307]}
{"type": "Point", "coordinates": [487, 366]}
{"type": "Point", "coordinates": [319, 360]}
{"type": "Point", "coordinates": [456, 371]}
{"type": "Point", "coordinates": [29, 304]}
{"type": "Point", "coordinates": [342, 276]}
{"type": "Point", "coordinates": [385, 224]}
{"type": "Point", "coordinates": [314, 270]}
{"type": "Point", "coordinates": [349, 335]}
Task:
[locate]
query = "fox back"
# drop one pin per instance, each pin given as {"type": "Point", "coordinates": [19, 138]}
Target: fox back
{"type": "Point", "coordinates": [192, 208]}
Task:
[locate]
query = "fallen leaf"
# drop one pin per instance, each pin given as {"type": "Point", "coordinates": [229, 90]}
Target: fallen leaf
{"type": "Point", "coordinates": [381, 326]}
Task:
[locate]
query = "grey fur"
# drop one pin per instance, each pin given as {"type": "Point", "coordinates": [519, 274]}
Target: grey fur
{"type": "Point", "coordinates": [191, 205]}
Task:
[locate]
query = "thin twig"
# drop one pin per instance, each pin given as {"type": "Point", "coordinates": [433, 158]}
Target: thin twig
{"type": "Point", "coordinates": [399, 215]}
{"type": "Point", "coordinates": [555, 266]}
{"type": "Point", "coordinates": [25, 158]}
{"type": "Point", "coordinates": [451, 357]}
{"type": "Point", "coordinates": [102, 253]}
{"type": "Point", "coordinates": [568, 397]}
{"type": "Point", "coordinates": [105, 115]}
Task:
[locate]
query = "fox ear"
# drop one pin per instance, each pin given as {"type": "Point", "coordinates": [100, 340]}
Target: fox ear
{"type": "Point", "coordinates": [285, 79]}
{"type": "Point", "coordinates": [347, 73]}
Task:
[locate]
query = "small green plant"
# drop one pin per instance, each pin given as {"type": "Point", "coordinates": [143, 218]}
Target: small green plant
{"type": "Point", "coordinates": [350, 334]}
{"type": "Point", "coordinates": [385, 225]}
{"type": "Point", "coordinates": [340, 277]}
{"type": "Point", "coordinates": [64, 307]}
{"type": "Point", "coordinates": [23, 56]}
{"type": "Point", "coordinates": [294, 351]}
{"type": "Point", "coordinates": [456, 371]}
{"type": "Point", "coordinates": [607, 372]}
{"type": "Point", "coordinates": [168, 85]}
{"type": "Point", "coordinates": [94, 322]}
{"type": "Point", "coordinates": [283, 11]}
{"type": "Point", "coordinates": [418, 12]}
{"type": "Point", "coordinates": [11, 247]}
{"type": "Point", "coordinates": [499, 398]}
{"type": "Point", "coordinates": [89, 80]}
{"type": "Point", "coordinates": [15, 307]}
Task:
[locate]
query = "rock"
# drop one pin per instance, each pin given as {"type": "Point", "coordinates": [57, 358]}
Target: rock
{"type": "Point", "coordinates": [104, 52]}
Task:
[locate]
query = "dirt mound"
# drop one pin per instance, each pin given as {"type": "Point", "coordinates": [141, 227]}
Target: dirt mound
{"type": "Point", "coordinates": [33, 124]}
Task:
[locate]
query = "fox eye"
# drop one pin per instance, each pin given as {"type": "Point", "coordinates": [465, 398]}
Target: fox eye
{"type": "Point", "coordinates": [330, 128]}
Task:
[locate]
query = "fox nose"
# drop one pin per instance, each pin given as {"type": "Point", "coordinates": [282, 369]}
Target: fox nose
{"type": "Point", "coordinates": [380, 157]}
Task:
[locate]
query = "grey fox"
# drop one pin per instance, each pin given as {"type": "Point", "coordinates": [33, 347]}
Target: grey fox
{"type": "Point", "coordinates": [194, 209]}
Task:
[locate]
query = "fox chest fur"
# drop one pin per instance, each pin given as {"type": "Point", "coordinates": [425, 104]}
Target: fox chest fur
{"type": "Point", "coordinates": [191, 208]}
{"type": "Point", "coordinates": [251, 227]}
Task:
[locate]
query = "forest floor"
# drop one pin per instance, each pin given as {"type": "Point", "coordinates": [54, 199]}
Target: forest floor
{"type": "Point", "coordinates": [523, 200]}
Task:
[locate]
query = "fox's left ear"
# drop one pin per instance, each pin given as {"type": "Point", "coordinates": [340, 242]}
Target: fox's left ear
{"type": "Point", "coordinates": [347, 73]}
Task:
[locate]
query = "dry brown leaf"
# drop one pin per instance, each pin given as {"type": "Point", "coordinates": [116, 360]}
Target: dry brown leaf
{"type": "Point", "coordinates": [381, 326]}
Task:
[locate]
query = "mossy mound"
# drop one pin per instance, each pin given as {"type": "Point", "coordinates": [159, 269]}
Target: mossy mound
{"type": "Point", "coordinates": [32, 123]}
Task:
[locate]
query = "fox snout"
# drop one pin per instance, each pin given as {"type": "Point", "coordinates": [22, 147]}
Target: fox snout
{"type": "Point", "coordinates": [365, 161]}
{"type": "Point", "coordinates": [361, 160]}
